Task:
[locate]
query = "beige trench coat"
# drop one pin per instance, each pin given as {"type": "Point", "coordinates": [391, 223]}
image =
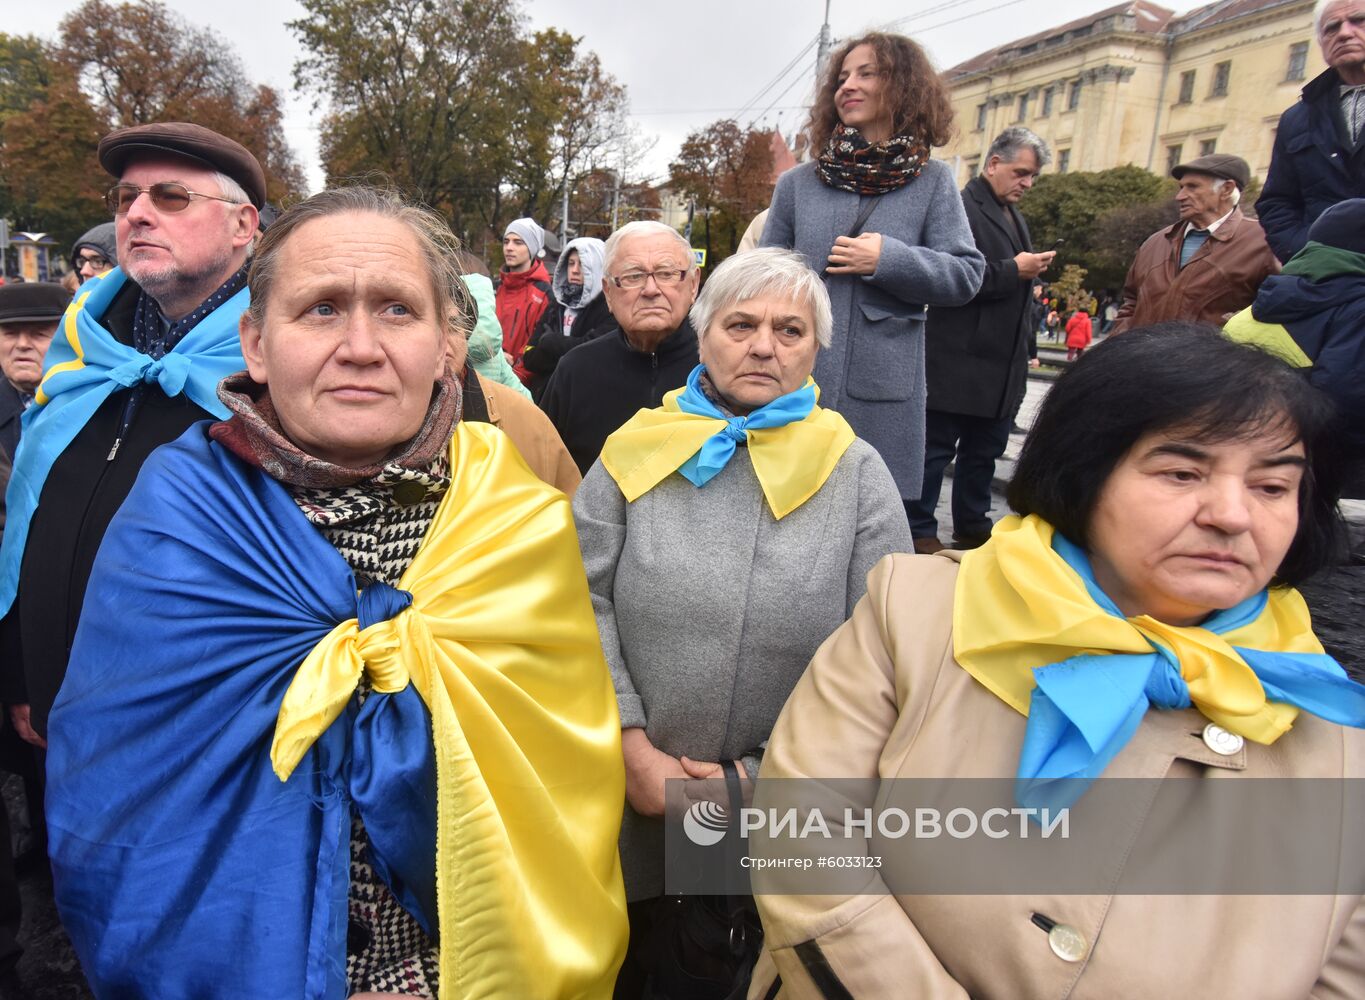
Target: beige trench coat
{"type": "Point", "coordinates": [884, 698]}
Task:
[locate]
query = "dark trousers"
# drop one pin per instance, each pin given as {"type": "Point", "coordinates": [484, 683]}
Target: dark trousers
{"type": "Point", "coordinates": [975, 443]}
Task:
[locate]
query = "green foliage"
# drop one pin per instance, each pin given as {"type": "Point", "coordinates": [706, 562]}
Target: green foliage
{"type": "Point", "coordinates": [1084, 209]}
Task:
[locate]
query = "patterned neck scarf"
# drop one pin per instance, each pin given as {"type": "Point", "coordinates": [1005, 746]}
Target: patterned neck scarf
{"type": "Point", "coordinates": [154, 335]}
{"type": "Point", "coordinates": [851, 163]}
{"type": "Point", "coordinates": [255, 436]}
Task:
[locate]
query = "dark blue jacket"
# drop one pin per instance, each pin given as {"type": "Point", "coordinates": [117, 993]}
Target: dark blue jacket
{"type": "Point", "coordinates": [1313, 167]}
{"type": "Point", "coordinates": [1327, 320]}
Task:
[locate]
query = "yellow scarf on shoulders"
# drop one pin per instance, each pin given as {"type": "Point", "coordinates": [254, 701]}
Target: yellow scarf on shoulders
{"type": "Point", "coordinates": [791, 462]}
{"type": "Point", "coordinates": [530, 778]}
{"type": "Point", "coordinates": [1019, 606]}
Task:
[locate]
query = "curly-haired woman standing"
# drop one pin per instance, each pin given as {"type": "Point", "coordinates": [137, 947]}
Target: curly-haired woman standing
{"type": "Point", "coordinates": [889, 224]}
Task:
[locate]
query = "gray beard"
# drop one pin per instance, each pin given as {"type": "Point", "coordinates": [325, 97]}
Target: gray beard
{"type": "Point", "coordinates": [173, 282]}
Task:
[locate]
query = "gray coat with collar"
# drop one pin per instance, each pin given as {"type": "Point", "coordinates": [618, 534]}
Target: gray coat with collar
{"type": "Point", "coordinates": [709, 608]}
{"type": "Point", "coordinates": [873, 373]}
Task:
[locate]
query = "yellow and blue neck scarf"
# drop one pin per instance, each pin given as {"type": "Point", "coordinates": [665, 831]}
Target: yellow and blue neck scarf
{"type": "Point", "coordinates": [86, 364]}
{"type": "Point", "coordinates": [793, 444]}
{"type": "Point", "coordinates": [207, 750]}
{"type": "Point", "coordinates": [1032, 625]}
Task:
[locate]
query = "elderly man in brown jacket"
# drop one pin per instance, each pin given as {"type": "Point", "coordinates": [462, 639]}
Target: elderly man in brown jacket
{"type": "Point", "coordinates": [1209, 264]}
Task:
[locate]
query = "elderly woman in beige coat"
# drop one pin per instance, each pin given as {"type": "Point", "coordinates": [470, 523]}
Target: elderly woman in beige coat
{"type": "Point", "coordinates": [1136, 621]}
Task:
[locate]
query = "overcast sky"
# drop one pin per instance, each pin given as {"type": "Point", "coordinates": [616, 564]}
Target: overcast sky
{"type": "Point", "coordinates": [684, 64]}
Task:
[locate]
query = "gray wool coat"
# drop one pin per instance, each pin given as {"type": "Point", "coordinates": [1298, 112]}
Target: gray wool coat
{"type": "Point", "coordinates": [709, 608]}
{"type": "Point", "coordinates": [873, 373]}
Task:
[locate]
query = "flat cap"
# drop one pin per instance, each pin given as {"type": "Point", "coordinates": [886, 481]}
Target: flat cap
{"type": "Point", "coordinates": [1221, 165]}
{"type": "Point", "coordinates": [218, 152]}
{"type": "Point", "coordinates": [32, 302]}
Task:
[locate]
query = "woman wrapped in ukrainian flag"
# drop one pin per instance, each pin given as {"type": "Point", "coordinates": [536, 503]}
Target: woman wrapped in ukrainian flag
{"type": "Point", "coordinates": [337, 719]}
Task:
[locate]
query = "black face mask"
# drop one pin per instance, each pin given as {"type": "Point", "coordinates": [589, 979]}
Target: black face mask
{"type": "Point", "coordinates": [573, 291]}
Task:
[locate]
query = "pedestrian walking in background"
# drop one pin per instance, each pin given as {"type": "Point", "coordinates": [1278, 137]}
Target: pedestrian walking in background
{"type": "Point", "coordinates": [886, 224]}
{"type": "Point", "coordinates": [523, 289]}
{"type": "Point", "coordinates": [1078, 334]}
{"type": "Point", "coordinates": [977, 355]}
{"type": "Point", "coordinates": [1319, 154]}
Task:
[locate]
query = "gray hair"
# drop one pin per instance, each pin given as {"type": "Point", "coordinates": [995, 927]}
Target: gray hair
{"type": "Point", "coordinates": [229, 188]}
{"type": "Point", "coordinates": [765, 271]}
{"type": "Point", "coordinates": [1319, 12]}
{"type": "Point", "coordinates": [437, 243]}
{"type": "Point", "coordinates": [1013, 141]}
{"type": "Point", "coordinates": [644, 227]}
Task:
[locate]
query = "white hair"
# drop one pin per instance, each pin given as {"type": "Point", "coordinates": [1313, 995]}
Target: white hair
{"type": "Point", "coordinates": [765, 271]}
{"type": "Point", "coordinates": [1320, 11]}
{"type": "Point", "coordinates": [1236, 194]}
{"type": "Point", "coordinates": [644, 227]}
{"type": "Point", "coordinates": [229, 188]}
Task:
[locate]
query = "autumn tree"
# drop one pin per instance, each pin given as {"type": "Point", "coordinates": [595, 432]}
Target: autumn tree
{"type": "Point", "coordinates": [142, 62]}
{"type": "Point", "coordinates": [455, 103]}
{"type": "Point", "coordinates": [728, 171]}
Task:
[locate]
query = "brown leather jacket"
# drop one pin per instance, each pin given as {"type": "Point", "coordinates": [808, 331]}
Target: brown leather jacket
{"type": "Point", "coordinates": [1220, 279]}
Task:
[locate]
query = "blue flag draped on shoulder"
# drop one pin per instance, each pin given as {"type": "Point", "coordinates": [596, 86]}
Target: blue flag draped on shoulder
{"type": "Point", "coordinates": [85, 365]}
{"type": "Point", "coordinates": [219, 624]}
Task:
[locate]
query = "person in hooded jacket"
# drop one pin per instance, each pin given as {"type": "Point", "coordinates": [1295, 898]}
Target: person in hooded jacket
{"type": "Point", "coordinates": [1313, 314]}
{"type": "Point", "coordinates": [523, 291]}
{"type": "Point", "coordinates": [577, 313]}
{"type": "Point", "coordinates": [95, 252]}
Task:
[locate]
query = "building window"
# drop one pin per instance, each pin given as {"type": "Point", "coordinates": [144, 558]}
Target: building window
{"type": "Point", "coordinates": [1298, 61]}
{"type": "Point", "coordinates": [981, 117]}
{"type": "Point", "coordinates": [1221, 72]}
{"type": "Point", "coordinates": [1023, 107]}
{"type": "Point", "coordinates": [1073, 96]}
{"type": "Point", "coordinates": [1186, 87]}
{"type": "Point", "coordinates": [1173, 156]}
{"type": "Point", "coordinates": [1207, 147]}
{"type": "Point", "coordinates": [1046, 111]}
{"type": "Point", "coordinates": [973, 168]}
{"type": "Point", "coordinates": [1063, 160]}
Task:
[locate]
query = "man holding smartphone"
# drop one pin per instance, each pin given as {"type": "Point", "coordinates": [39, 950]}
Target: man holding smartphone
{"type": "Point", "coordinates": [976, 355]}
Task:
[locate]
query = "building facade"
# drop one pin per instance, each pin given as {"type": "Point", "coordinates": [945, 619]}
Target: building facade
{"type": "Point", "coordinates": [1137, 84]}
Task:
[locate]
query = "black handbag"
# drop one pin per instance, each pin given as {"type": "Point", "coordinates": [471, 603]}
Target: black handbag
{"type": "Point", "coordinates": [705, 947]}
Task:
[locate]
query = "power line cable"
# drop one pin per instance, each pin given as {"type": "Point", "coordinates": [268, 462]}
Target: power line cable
{"type": "Point", "coordinates": [753, 101]}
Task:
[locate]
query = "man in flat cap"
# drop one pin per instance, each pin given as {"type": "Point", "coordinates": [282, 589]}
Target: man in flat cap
{"type": "Point", "coordinates": [29, 314]}
{"type": "Point", "coordinates": [1209, 264]}
{"type": "Point", "coordinates": [135, 364]}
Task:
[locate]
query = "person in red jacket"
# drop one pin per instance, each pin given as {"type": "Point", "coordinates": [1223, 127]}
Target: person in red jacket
{"type": "Point", "coordinates": [524, 290]}
{"type": "Point", "coordinates": [1078, 329]}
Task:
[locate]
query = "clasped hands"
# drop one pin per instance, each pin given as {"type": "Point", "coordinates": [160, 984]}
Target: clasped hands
{"type": "Point", "coordinates": [647, 768]}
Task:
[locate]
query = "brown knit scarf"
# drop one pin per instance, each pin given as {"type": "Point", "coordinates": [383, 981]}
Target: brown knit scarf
{"type": "Point", "coordinates": [253, 433]}
{"type": "Point", "coordinates": [851, 163]}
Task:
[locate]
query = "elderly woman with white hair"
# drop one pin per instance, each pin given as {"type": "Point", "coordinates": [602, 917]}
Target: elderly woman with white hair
{"type": "Point", "coordinates": [725, 534]}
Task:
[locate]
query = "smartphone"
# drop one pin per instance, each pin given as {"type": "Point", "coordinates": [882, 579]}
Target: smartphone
{"type": "Point", "coordinates": [1056, 245]}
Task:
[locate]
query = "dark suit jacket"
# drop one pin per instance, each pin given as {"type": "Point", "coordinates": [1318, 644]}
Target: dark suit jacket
{"type": "Point", "coordinates": [11, 409]}
{"type": "Point", "coordinates": [976, 354]}
{"type": "Point", "coordinates": [1314, 165]}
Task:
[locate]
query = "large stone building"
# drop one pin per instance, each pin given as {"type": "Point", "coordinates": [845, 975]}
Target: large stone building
{"type": "Point", "coordinates": [1135, 83]}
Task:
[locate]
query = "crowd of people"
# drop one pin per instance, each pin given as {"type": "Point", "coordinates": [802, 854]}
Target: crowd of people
{"type": "Point", "coordinates": [359, 608]}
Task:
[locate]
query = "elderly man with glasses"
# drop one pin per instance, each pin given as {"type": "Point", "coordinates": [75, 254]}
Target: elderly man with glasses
{"type": "Point", "coordinates": [136, 360]}
{"type": "Point", "coordinates": [650, 285]}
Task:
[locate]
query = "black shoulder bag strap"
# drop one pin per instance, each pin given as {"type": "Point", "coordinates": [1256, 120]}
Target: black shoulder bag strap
{"type": "Point", "coordinates": [864, 211]}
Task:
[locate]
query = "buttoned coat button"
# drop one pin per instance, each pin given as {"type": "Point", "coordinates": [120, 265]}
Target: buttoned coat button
{"type": "Point", "coordinates": [1067, 943]}
{"type": "Point", "coordinates": [1222, 742]}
